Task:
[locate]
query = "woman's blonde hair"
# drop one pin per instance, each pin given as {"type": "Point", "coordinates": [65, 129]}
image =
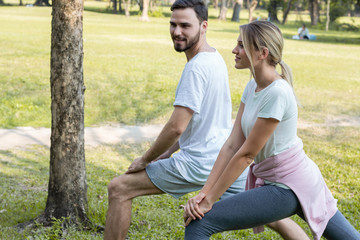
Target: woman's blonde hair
{"type": "Point", "coordinates": [260, 34]}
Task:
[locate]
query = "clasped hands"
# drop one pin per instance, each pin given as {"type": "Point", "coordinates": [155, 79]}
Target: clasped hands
{"type": "Point", "coordinates": [196, 207]}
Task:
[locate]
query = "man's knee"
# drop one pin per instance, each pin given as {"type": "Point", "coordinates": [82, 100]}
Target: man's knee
{"type": "Point", "coordinates": [118, 188]}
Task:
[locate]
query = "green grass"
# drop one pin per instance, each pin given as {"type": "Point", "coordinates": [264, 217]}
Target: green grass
{"type": "Point", "coordinates": [24, 177]}
{"type": "Point", "coordinates": [131, 70]}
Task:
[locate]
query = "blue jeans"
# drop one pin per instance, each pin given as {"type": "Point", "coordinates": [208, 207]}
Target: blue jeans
{"type": "Point", "coordinates": [257, 207]}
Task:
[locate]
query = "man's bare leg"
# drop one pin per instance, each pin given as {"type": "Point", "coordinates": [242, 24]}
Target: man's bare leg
{"type": "Point", "coordinates": [122, 190]}
{"type": "Point", "coordinates": [288, 229]}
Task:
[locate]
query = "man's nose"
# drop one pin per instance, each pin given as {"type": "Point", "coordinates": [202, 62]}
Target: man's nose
{"type": "Point", "coordinates": [177, 31]}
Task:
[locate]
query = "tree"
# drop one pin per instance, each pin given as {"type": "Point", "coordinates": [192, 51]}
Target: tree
{"type": "Point", "coordinates": [314, 11]}
{"type": "Point", "coordinates": [223, 10]}
{"type": "Point", "coordinates": [252, 7]}
{"type": "Point", "coordinates": [67, 182]}
{"type": "Point", "coordinates": [1, 2]}
{"type": "Point", "coordinates": [42, 3]}
{"type": "Point", "coordinates": [287, 10]}
{"type": "Point", "coordinates": [144, 15]}
{"type": "Point", "coordinates": [272, 9]}
{"type": "Point", "coordinates": [115, 6]}
{"type": "Point", "coordinates": [127, 7]}
{"type": "Point", "coordinates": [327, 15]}
{"type": "Point", "coordinates": [236, 11]}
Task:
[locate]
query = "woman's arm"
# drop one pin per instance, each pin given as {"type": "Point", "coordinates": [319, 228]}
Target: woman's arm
{"type": "Point", "coordinates": [231, 146]}
{"type": "Point", "coordinates": [262, 130]}
{"type": "Point", "coordinates": [259, 135]}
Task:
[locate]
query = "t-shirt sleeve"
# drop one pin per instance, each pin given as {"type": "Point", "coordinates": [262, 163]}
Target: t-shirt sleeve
{"type": "Point", "coordinates": [274, 104]}
{"type": "Point", "coordinates": [190, 91]}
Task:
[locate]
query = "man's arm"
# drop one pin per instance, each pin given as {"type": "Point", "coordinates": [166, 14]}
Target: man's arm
{"type": "Point", "coordinates": [168, 136]}
{"type": "Point", "coordinates": [169, 152]}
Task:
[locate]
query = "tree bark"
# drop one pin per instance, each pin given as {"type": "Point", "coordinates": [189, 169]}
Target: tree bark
{"type": "Point", "coordinates": [127, 7]}
{"type": "Point", "coordinates": [144, 15]}
{"type": "Point", "coordinates": [314, 11]}
{"type": "Point", "coordinates": [236, 11]}
{"type": "Point", "coordinates": [252, 7]}
{"type": "Point", "coordinates": [42, 3]}
{"type": "Point", "coordinates": [286, 12]}
{"type": "Point", "coordinates": [67, 181]}
{"type": "Point", "coordinates": [115, 6]}
{"type": "Point", "coordinates": [223, 10]}
{"type": "Point", "coordinates": [272, 9]}
{"type": "Point", "coordinates": [216, 4]}
{"type": "Point", "coordinates": [327, 15]}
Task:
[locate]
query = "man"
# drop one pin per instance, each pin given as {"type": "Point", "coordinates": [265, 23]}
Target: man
{"type": "Point", "coordinates": [198, 126]}
{"type": "Point", "coordinates": [303, 32]}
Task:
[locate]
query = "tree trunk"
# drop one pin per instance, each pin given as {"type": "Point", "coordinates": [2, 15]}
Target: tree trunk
{"type": "Point", "coordinates": [286, 11]}
{"type": "Point", "coordinates": [21, 3]}
{"type": "Point", "coordinates": [327, 15]}
{"type": "Point", "coordinates": [236, 11]}
{"type": "Point", "coordinates": [144, 15]}
{"type": "Point", "coordinates": [67, 181]}
{"type": "Point", "coordinates": [42, 3]}
{"type": "Point", "coordinates": [272, 9]}
{"type": "Point", "coordinates": [216, 4]}
{"type": "Point", "coordinates": [314, 11]}
{"type": "Point", "coordinates": [115, 6]}
{"type": "Point", "coordinates": [252, 7]}
{"type": "Point", "coordinates": [127, 7]}
{"type": "Point", "coordinates": [223, 10]}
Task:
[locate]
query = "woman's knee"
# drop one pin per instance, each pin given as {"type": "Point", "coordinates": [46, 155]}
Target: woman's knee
{"type": "Point", "coordinates": [198, 230]}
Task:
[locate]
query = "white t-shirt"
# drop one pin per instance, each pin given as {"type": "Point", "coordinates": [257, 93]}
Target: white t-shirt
{"type": "Point", "coordinates": [204, 88]}
{"type": "Point", "coordinates": [275, 101]}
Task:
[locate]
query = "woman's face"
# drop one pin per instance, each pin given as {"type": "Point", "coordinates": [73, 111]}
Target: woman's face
{"type": "Point", "coordinates": [241, 59]}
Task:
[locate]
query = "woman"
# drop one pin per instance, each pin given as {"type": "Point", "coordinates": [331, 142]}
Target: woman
{"type": "Point", "coordinates": [282, 179]}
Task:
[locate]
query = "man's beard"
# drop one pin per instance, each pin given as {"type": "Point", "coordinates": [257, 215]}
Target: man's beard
{"type": "Point", "coordinates": [189, 45]}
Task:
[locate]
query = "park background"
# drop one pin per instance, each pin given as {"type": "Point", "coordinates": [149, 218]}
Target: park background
{"type": "Point", "coordinates": [131, 72]}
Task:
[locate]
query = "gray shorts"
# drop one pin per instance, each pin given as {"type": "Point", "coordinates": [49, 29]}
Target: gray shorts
{"type": "Point", "coordinates": [165, 176]}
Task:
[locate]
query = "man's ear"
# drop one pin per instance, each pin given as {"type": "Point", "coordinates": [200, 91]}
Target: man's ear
{"type": "Point", "coordinates": [204, 26]}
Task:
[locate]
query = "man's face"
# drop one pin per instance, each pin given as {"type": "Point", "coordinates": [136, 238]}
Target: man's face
{"type": "Point", "coordinates": [185, 29]}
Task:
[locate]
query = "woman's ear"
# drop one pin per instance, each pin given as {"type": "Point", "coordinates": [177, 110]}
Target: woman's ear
{"type": "Point", "coordinates": [264, 53]}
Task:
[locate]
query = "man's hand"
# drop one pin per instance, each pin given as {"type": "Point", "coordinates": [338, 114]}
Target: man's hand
{"type": "Point", "coordinates": [137, 165]}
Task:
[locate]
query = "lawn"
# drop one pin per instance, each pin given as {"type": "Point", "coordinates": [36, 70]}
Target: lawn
{"type": "Point", "coordinates": [24, 177]}
{"type": "Point", "coordinates": [131, 72]}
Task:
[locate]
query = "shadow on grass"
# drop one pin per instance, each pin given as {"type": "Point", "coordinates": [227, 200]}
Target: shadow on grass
{"type": "Point", "coordinates": [24, 185]}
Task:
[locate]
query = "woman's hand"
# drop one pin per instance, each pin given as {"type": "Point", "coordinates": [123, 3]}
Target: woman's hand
{"type": "Point", "coordinates": [196, 207]}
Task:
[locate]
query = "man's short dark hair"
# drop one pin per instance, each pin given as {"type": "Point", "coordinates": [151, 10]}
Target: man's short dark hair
{"type": "Point", "coordinates": [198, 6]}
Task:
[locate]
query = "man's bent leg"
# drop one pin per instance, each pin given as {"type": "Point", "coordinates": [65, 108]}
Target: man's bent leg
{"type": "Point", "coordinates": [122, 190]}
{"type": "Point", "coordinates": [288, 229]}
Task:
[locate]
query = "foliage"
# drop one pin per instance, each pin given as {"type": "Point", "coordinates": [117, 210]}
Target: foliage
{"type": "Point", "coordinates": [24, 175]}
{"type": "Point", "coordinates": [337, 9]}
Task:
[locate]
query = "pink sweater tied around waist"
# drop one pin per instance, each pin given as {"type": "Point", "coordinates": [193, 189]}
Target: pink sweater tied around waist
{"type": "Point", "coordinates": [295, 170]}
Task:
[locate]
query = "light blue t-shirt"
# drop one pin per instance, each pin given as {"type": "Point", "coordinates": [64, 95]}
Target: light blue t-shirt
{"type": "Point", "coordinates": [275, 101]}
{"type": "Point", "coordinates": [204, 88]}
